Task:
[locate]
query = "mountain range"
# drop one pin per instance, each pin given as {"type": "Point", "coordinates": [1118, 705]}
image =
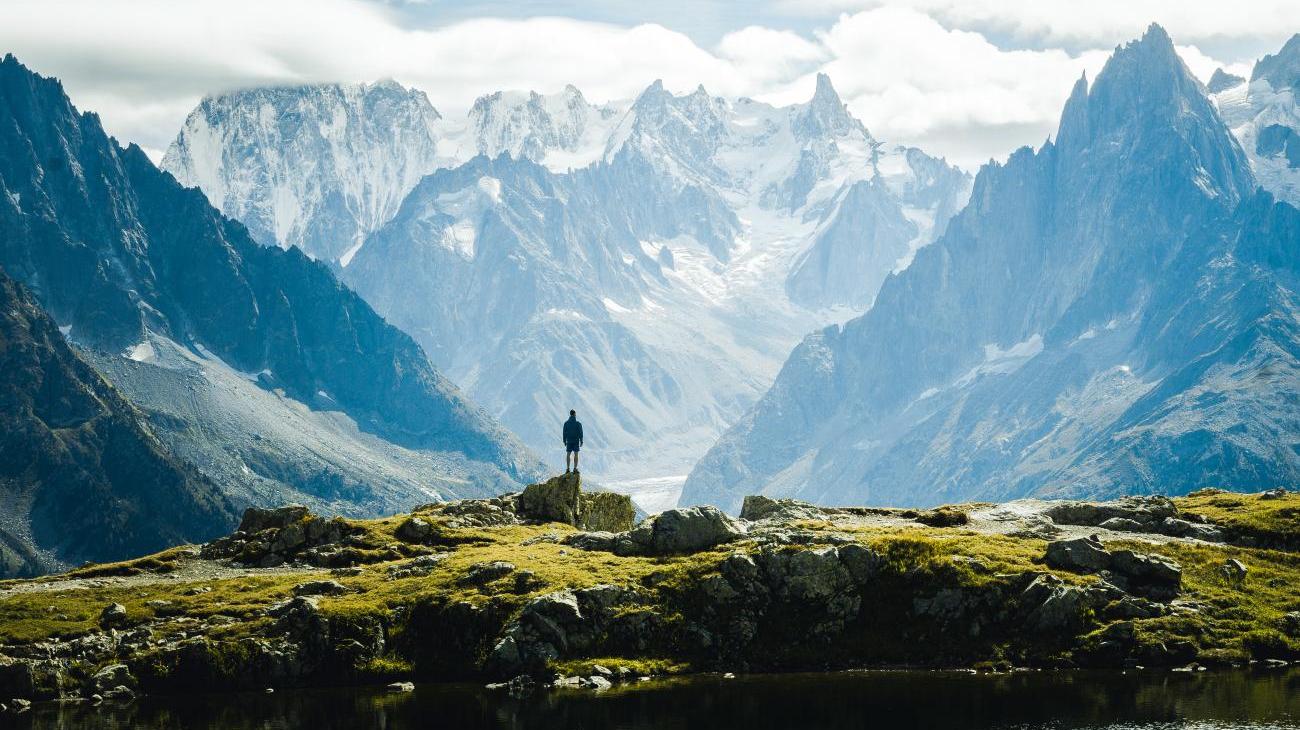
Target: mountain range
{"type": "Point", "coordinates": [1114, 312]}
{"type": "Point", "coordinates": [647, 262]}
{"type": "Point", "coordinates": [252, 364]}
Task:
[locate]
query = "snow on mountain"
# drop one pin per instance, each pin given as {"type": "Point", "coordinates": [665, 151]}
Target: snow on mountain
{"type": "Point", "coordinates": [318, 167]}
{"type": "Point", "coordinates": [648, 290]}
{"type": "Point", "coordinates": [1265, 117]}
{"type": "Point", "coordinates": [560, 131]}
{"type": "Point", "coordinates": [1112, 313]}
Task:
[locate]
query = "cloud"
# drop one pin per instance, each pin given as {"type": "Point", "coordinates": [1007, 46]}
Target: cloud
{"type": "Point", "coordinates": [1099, 23]}
{"type": "Point", "coordinates": [143, 64]}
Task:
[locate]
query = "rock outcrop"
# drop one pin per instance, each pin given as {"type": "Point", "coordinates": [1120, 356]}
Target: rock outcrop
{"type": "Point", "coordinates": [684, 530]}
{"type": "Point", "coordinates": [1141, 573]}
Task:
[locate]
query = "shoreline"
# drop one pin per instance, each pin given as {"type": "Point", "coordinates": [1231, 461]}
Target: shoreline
{"type": "Point", "coordinates": [555, 583]}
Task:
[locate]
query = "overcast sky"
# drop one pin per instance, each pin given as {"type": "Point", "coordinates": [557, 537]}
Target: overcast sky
{"type": "Point", "coordinates": [969, 79]}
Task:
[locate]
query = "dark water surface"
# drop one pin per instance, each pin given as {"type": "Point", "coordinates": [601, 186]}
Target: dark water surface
{"type": "Point", "coordinates": [893, 700]}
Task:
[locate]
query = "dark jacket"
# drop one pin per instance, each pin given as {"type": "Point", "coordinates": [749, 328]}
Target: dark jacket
{"type": "Point", "coordinates": [572, 431]}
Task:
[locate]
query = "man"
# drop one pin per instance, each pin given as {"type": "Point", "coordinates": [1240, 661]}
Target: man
{"type": "Point", "coordinates": [572, 441]}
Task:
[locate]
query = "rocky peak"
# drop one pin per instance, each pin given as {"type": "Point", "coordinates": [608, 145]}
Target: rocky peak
{"type": "Point", "coordinates": [1282, 69]}
{"type": "Point", "coordinates": [825, 115]}
{"type": "Point", "coordinates": [1222, 80]}
{"type": "Point", "coordinates": [1144, 93]}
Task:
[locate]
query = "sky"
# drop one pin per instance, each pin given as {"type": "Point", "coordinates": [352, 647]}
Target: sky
{"type": "Point", "coordinates": [967, 79]}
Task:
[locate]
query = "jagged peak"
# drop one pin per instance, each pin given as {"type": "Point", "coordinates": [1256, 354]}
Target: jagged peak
{"type": "Point", "coordinates": [826, 114]}
{"type": "Point", "coordinates": [1222, 80]}
{"type": "Point", "coordinates": [1281, 69]}
{"type": "Point", "coordinates": [825, 90]}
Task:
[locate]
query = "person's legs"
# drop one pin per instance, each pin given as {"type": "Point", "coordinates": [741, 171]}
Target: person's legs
{"type": "Point", "coordinates": [575, 462]}
{"type": "Point", "coordinates": [568, 457]}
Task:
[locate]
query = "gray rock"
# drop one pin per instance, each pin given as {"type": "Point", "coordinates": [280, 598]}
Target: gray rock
{"type": "Point", "coordinates": [605, 512]}
{"type": "Point", "coordinates": [1234, 571]}
{"type": "Point", "coordinates": [320, 588]}
{"type": "Point", "coordinates": [1123, 524]}
{"type": "Point", "coordinates": [1291, 624]}
{"type": "Point", "coordinates": [414, 530]}
{"type": "Point", "coordinates": [120, 693]}
{"type": "Point", "coordinates": [683, 530]}
{"type": "Point", "coordinates": [1147, 570]}
{"type": "Point", "coordinates": [257, 519]}
{"type": "Point", "coordinates": [1052, 606]}
{"type": "Point", "coordinates": [555, 500]}
{"type": "Point", "coordinates": [1080, 555]}
{"type": "Point", "coordinates": [482, 573]}
{"type": "Point", "coordinates": [113, 616]}
{"type": "Point", "coordinates": [105, 680]}
{"type": "Point", "coordinates": [1279, 493]}
{"type": "Point", "coordinates": [758, 507]}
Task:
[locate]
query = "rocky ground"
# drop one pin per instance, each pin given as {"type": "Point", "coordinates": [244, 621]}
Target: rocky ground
{"type": "Point", "coordinates": [559, 586]}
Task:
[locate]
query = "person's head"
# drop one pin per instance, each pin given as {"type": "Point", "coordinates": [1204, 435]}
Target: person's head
{"type": "Point", "coordinates": [573, 414]}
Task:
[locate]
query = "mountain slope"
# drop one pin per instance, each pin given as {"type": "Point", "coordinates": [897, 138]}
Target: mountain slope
{"type": "Point", "coordinates": [318, 167]}
{"type": "Point", "coordinates": [1264, 115]}
{"type": "Point", "coordinates": [120, 253]}
{"type": "Point", "coordinates": [648, 289]}
{"type": "Point", "coordinates": [81, 477]}
{"type": "Point", "coordinates": [1098, 320]}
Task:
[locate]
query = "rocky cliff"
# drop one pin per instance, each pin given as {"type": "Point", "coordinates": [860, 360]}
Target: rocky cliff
{"type": "Point", "coordinates": [82, 477]}
{"type": "Point", "coordinates": [135, 266]}
{"type": "Point", "coordinates": [1101, 319]}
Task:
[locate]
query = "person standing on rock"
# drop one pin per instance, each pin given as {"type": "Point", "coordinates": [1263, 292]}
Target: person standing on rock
{"type": "Point", "coordinates": [572, 441]}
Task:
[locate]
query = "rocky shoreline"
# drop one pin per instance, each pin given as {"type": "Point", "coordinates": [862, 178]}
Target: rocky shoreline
{"type": "Point", "coordinates": [558, 587]}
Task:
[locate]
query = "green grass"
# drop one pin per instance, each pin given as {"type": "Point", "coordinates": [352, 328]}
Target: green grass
{"type": "Point", "coordinates": [1234, 622]}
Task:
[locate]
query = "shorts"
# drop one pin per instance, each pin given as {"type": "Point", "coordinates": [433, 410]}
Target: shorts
{"type": "Point", "coordinates": [572, 448]}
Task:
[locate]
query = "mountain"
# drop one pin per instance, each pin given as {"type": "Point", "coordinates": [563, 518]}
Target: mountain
{"type": "Point", "coordinates": [135, 267]}
{"type": "Point", "coordinates": [319, 167]}
{"type": "Point", "coordinates": [1264, 116]}
{"type": "Point", "coordinates": [560, 131]}
{"type": "Point", "coordinates": [657, 288]}
{"type": "Point", "coordinates": [82, 477]}
{"type": "Point", "coordinates": [1112, 313]}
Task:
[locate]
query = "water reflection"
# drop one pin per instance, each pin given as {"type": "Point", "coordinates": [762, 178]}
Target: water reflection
{"type": "Point", "coordinates": [893, 700]}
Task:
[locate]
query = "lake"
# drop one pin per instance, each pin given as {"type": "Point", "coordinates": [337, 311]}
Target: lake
{"type": "Point", "coordinates": [893, 700]}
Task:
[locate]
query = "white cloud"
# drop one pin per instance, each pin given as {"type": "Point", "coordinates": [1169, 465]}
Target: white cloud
{"type": "Point", "coordinates": [143, 64]}
{"type": "Point", "coordinates": [1101, 23]}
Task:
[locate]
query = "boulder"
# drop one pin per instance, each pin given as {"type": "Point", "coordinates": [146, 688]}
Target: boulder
{"type": "Point", "coordinates": [1279, 493]}
{"type": "Point", "coordinates": [1122, 524]}
{"type": "Point", "coordinates": [1151, 575]}
{"type": "Point", "coordinates": [555, 500]}
{"type": "Point", "coordinates": [605, 512]}
{"type": "Point", "coordinates": [483, 573]}
{"type": "Point", "coordinates": [257, 519]}
{"type": "Point", "coordinates": [1049, 605]}
{"type": "Point", "coordinates": [110, 677]}
{"type": "Point", "coordinates": [683, 530]}
{"type": "Point", "coordinates": [1142, 509]}
{"type": "Point", "coordinates": [113, 616]}
{"type": "Point", "coordinates": [1080, 555]}
{"type": "Point", "coordinates": [414, 530]}
{"type": "Point", "coordinates": [1234, 571]}
{"type": "Point", "coordinates": [494, 512]}
{"type": "Point", "coordinates": [757, 507]}
{"type": "Point", "coordinates": [320, 588]}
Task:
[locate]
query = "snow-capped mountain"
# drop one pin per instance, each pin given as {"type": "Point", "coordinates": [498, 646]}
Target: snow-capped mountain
{"type": "Point", "coordinates": [318, 167]}
{"type": "Point", "coordinates": [1115, 312]}
{"type": "Point", "coordinates": [252, 363]}
{"type": "Point", "coordinates": [648, 289]}
{"type": "Point", "coordinates": [560, 131]}
{"type": "Point", "coordinates": [1264, 115]}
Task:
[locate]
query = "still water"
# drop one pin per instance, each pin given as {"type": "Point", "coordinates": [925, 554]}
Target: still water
{"type": "Point", "coordinates": [892, 700]}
